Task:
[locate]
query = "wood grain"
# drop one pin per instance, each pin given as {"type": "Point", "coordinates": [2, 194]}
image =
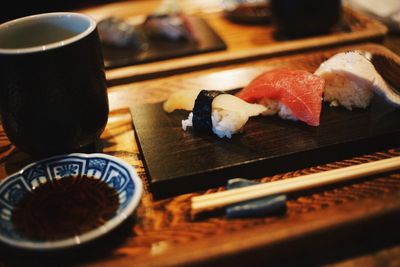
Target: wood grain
{"type": "Point", "coordinates": [165, 234]}
{"type": "Point", "coordinates": [228, 78]}
{"type": "Point", "coordinates": [320, 226]}
{"type": "Point", "coordinates": [223, 78]}
{"type": "Point", "coordinates": [180, 161]}
{"type": "Point", "coordinates": [245, 42]}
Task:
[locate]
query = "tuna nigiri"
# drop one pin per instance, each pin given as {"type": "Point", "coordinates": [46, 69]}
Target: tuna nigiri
{"type": "Point", "coordinates": [293, 94]}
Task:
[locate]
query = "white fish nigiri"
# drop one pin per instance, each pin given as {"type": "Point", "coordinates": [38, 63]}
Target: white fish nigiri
{"type": "Point", "coordinates": [183, 99]}
{"type": "Point", "coordinates": [351, 81]}
{"type": "Point", "coordinates": [230, 114]}
{"type": "Point", "coordinates": [227, 113]}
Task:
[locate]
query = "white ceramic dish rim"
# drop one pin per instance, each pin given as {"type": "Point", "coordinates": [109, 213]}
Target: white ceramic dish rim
{"type": "Point", "coordinates": [93, 234]}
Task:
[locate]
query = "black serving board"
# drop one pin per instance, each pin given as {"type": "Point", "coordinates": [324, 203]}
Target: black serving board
{"type": "Point", "coordinates": [159, 49]}
{"type": "Point", "coordinates": [177, 161]}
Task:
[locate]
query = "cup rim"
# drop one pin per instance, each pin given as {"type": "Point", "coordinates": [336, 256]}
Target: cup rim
{"type": "Point", "coordinates": [53, 45]}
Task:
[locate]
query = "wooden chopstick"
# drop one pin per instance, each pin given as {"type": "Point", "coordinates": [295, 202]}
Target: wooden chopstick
{"type": "Point", "coordinates": [229, 197]}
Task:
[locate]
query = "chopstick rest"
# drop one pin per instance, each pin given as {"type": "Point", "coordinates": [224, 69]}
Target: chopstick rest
{"type": "Point", "coordinates": [270, 205]}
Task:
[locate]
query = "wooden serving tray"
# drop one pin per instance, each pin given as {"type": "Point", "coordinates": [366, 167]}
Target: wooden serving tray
{"type": "Point", "coordinates": [244, 42]}
{"type": "Point", "coordinates": [352, 224]}
{"type": "Point", "coordinates": [177, 161]}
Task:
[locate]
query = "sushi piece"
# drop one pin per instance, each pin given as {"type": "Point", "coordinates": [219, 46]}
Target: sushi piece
{"type": "Point", "coordinates": [228, 113]}
{"type": "Point", "coordinates": [169, 27]}
{"type": "Point", "coordinates": [202, 110]}
{"type": "Point", "coordinates": [213, 111]}
{"type": "Point", "coordinates": [168, 22]}
{"type": "Point", "coordinates": [231, 113]}
{"type": "Point", "coordinates": [351, 80]}
{"type": "Point", "coordinates": [292, 94]}
{"type": "Point", "coordinates": [117, 32]}
{"type": "Point", "coordinates": [183, 99]}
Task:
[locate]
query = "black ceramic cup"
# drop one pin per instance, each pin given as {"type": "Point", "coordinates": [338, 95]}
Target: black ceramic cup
{"type": "Point", "coordinates": [297, 18]}
{"type": "Point", "coordinates": [53, 94]}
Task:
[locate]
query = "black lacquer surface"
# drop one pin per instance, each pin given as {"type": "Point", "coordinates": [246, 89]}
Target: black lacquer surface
{"type": "Point", "coordinates": [177, 161]}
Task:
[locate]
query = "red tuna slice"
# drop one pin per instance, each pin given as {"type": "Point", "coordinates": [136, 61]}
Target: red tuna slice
{"type": "Point", "coordinates": [299, 90]}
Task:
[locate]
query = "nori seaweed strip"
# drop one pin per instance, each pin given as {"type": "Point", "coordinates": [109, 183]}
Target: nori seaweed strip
{"type": "Point", "coordinates": [202, 110]}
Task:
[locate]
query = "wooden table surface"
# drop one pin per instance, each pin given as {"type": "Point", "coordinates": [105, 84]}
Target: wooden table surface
{"type": "Point", "coordinates": [244, 42]}
{"type": "Point", "coordinates": [163, 232]}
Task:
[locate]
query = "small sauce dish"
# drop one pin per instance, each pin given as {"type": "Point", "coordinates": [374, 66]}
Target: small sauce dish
{"type": "Point", "coordinates": [103, 169]}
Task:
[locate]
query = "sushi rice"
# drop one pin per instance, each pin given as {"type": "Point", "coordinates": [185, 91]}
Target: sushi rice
{"type": "Point", "coordinates": [229, 113]}
{"type": "Point", "coordinates": [351, 81]}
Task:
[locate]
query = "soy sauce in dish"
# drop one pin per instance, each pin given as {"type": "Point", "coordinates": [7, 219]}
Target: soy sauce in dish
{"type": "Point", "coordinates": [65, 208]}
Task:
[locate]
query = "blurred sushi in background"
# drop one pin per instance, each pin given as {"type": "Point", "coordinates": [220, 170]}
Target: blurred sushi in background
{"type": "Point", "coordinates": [167, 23]}
{"type": "Point", "coordinates": [118, 32]}
{"type": "Point", "coordinates": [170, 23]}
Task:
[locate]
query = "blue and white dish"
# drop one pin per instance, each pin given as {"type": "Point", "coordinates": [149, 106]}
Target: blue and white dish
{"type": "Point", "coordinates": [115, 172]}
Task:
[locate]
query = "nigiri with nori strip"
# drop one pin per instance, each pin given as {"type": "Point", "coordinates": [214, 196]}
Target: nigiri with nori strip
{"type": "Point", "coordinates": [292, 94]}
{"type": "Point", "coordinates": [213, 111]}
{"type": "Point", "coordinates": [202, 110]}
